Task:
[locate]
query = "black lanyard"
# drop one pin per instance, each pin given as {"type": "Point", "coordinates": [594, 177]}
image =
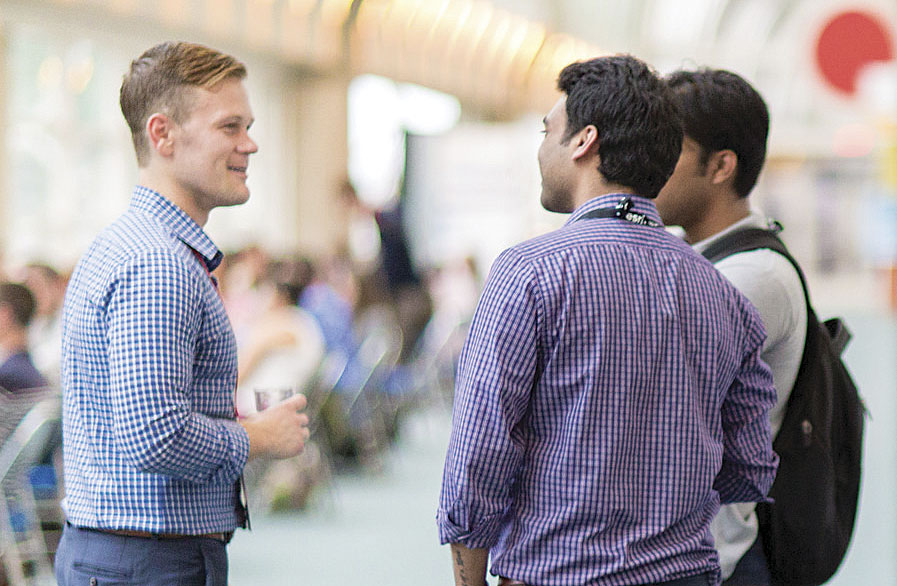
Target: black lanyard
{"type": "Point", "coordinates": [623, 211]}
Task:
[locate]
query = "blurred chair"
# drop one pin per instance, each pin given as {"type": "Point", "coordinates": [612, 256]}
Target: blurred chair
{"type": "Point", "coordinates": [322, 385]}
{"type": "Point", "coordinates": [353, 414]}
{"type": "Point", "coordinates": [29, 423]}
{"type": "Point", "coordinates": [290, 484]}
{"type": "Point", "coordinates": [368, 407]}
{"type": "Point", "coordinates": [435, 359]}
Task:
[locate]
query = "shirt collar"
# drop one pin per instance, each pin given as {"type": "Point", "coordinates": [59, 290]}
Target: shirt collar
{"type": "Point", "coordinates": [754, 220]}
{"type": "Point", "coordinates": [640, 204]}
{"type": "Point", "coordinates": [152, 203]}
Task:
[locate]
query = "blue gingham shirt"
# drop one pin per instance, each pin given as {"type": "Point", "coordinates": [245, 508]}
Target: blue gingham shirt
{"type": "Point", "coordinates": [609, 396]}
{"type": "Point", "coordinates": [149, 367]}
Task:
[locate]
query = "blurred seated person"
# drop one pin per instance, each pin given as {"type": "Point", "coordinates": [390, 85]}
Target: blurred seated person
{"type": "Point", "coordinates": [19, 376]}
{"type": "Point", "coordinates": [348, 309]}
{"type": "Point", "coordinates": [17, 371]}
{"type": "Point", "coordinates": [45, 330]}
{"type": "Point", "coordinates": [333, 299]}
{"type": "Point", "coordinates": [240, 275]}
{"type": "Point", "coordinates": [285, 346]}
{"type": "Point", "coordinates": [330, 298]}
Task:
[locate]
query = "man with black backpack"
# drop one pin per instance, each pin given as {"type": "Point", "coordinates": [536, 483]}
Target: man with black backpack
{"type": "Point", "coordinates": [818, 418]}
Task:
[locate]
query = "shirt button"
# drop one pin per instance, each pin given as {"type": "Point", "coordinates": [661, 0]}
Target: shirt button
{"type": "Point", "coordinates": [93, 582]}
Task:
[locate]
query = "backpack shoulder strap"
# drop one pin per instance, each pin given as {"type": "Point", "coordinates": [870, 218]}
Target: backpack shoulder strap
{"type": "Point", "coordinates": [742, 241]}
{"type": "Point", "coordinates": [748, 239]}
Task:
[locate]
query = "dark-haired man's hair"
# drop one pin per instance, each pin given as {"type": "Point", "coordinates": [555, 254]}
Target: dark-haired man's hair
{"type": "Point", "coordinates": [20, 300]}
{"type": "Point", "coordinates": [722, 111]}
{"type": "Point", "coordinates": [639, 128]}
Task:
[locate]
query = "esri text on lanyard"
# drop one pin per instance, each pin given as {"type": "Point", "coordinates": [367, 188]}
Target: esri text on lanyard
{"type": "Point", "coordinates": [622, 211]}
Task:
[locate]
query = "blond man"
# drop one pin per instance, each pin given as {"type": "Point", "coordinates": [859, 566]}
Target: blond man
{"type": "Point", "coordinates": [153, 450]}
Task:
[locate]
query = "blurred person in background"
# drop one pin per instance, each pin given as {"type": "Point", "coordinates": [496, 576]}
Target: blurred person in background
{"type": "Point", "coordinates": [20, 378]}
{"type": "Point", "coordinates": [285, 346]}
{"type": "Point", "coordinates": [362, 234]}
{"type": "Point", "coordinates": [408, 292]}
{"type": "Point", "coordinates": [726, 127]}
{"type": "Point", "coordinates": [332, 299]}
{"type": "Point", "coordinates": [378, 247]}
{"type": "Point", "coordinates": [153, 453]}
{"type": "Point", "coordinates": [17, 371]}
{"type": "Point", "coordinates": [610, 393]}
{"type": "Point", "coordinates": [284, 349]}
{"type": "Point", "coordinates": [45, 331]}
{"type": "Point", "coordinates": [240, 274]}
{"type": "Point", "coordinates": [454, 288]}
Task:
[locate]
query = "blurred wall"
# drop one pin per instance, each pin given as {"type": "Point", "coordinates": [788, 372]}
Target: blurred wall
{"type": "Point", "coordinates": [4, 164]}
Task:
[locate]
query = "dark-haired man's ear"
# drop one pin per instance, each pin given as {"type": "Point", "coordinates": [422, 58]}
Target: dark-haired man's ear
{"type": "Point", "coordinates": [586, 142]}
{"type": "Point", "coordinates": [722, 166]}
{"type": "Point", "coordinates": [159, 129]}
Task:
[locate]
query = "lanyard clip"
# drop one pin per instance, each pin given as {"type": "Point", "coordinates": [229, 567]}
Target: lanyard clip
{"type": "Point", "coordinates": [623, 207]}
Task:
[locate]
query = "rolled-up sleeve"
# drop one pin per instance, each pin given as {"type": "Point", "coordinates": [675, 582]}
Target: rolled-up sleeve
{"type": "Point", "coordinates": [154, 313]}
{"type": "Point", "coordinates": [749, 462]}
{"type": "Point", "coordinates": [496, 374]}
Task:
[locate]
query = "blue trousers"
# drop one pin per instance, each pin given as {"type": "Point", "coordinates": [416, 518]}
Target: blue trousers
{"type": "Point", "coordinates": [752, 569]}
{"type": "Point", "coordinates": [698, 580]}
{"type": "Point", "coordinates": [92, 558]}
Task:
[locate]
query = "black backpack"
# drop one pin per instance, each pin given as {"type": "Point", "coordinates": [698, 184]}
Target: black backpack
{"type": "Point", "coordinates": [806, 531]}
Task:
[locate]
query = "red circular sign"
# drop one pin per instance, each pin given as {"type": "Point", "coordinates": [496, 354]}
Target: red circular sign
{"type": "Point", "coordinates": [850, 41]}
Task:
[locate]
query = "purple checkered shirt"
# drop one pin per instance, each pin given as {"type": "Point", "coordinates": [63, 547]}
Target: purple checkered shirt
{"type": "Point", "coordinates": [610, 395]}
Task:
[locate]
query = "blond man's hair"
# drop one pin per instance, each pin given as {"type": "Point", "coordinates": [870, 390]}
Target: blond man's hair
{"type": "Point", "coordinates": [160, 81]}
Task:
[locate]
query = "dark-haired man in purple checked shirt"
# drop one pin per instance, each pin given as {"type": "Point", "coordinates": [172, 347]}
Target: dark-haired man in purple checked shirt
{"type": "Point", "coordinates": [610, 394]}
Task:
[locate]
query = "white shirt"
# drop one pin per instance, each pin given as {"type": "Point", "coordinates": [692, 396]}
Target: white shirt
{"type": "Point", "coordinates": [773, 286]}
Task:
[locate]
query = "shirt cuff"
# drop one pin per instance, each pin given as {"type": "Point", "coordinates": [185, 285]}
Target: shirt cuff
{"type": "Point", "coordinates": [744, 489]}
{"type": "Point", "coordinates": [238, 446]}
{"type": "Point", "coordinates": [456, 526]}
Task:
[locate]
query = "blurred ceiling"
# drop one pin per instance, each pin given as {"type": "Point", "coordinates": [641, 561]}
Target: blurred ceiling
{"type": "Point", "coordinates": [501, 57]}
{"type": "Point", "coordinates": [827, 68]}
{"type": "Point", "coordinates": [498, 62]}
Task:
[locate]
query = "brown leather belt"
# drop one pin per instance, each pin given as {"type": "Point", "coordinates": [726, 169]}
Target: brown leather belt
{"type": "Point", "coordinates": [509, 582]}
{"type": "Point", "coordinates": [223, 536]}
